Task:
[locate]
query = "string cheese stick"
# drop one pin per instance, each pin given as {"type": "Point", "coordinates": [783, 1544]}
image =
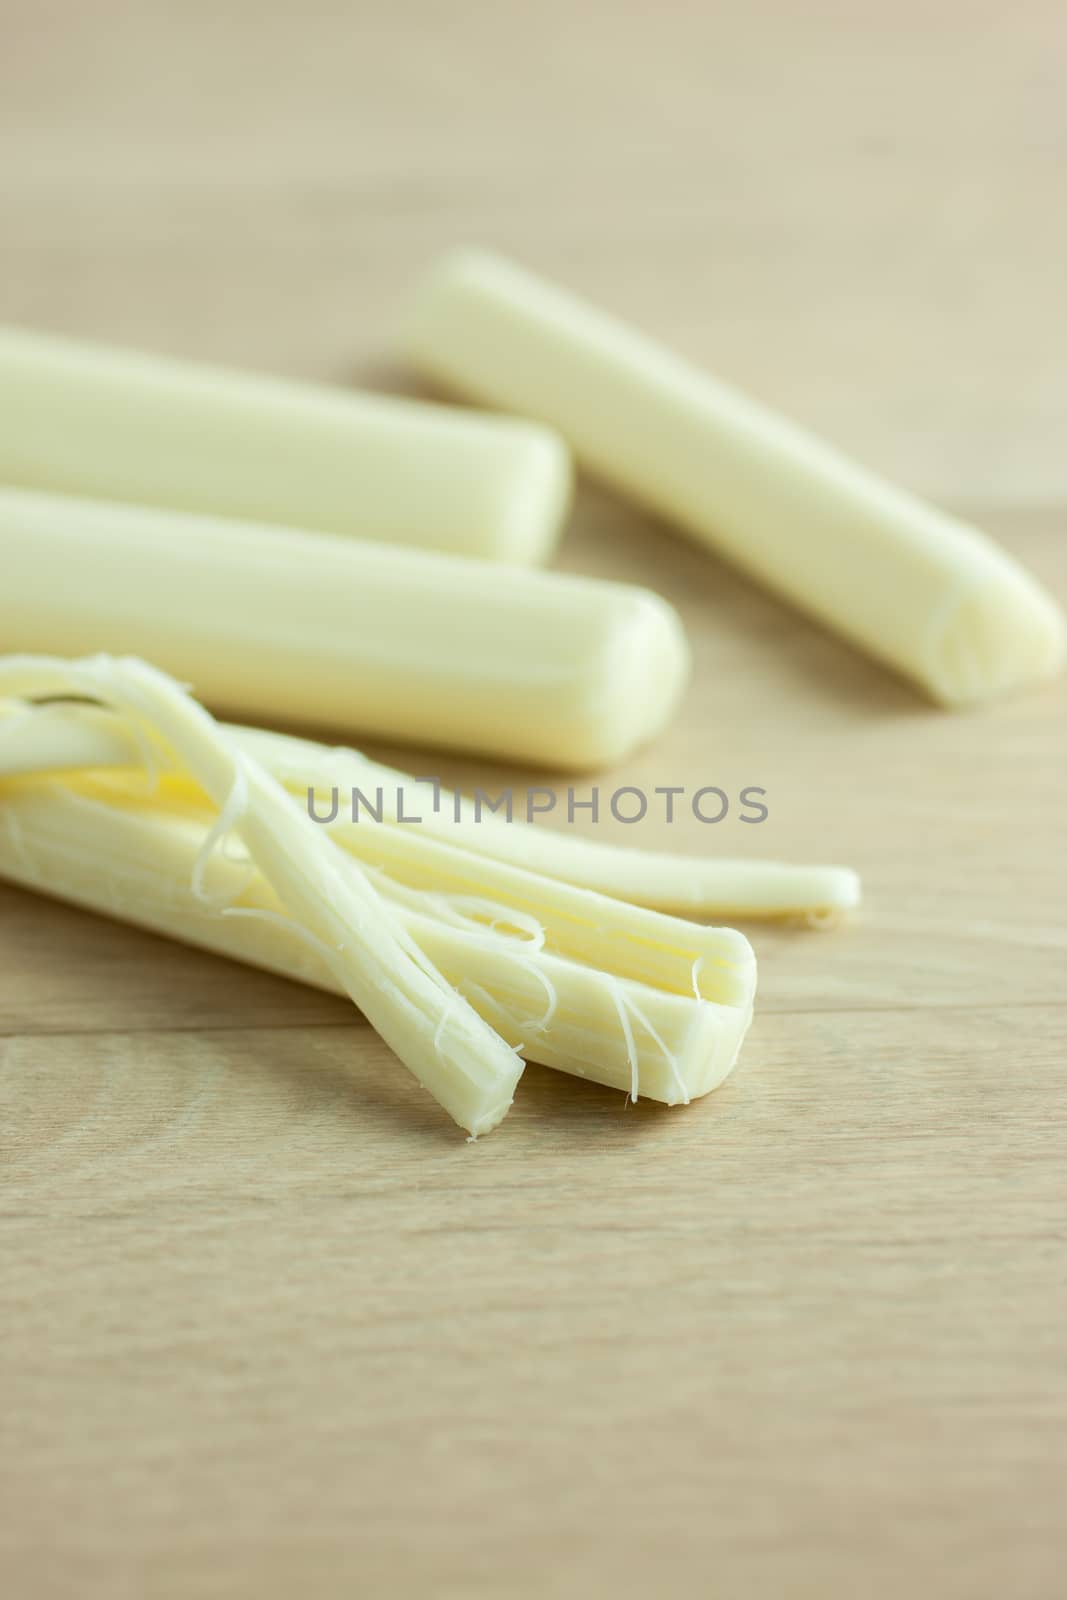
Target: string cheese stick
{"type": "Point", "coordinates": [689, 885]}
{"type": "Point", "coordinates": [128, 856]}
{"type": "Point", "coordinates": [926, 594]}
{"type": "Point", "coordinates": [628, 941]}
{"type": "Point", "coordinates": [62, 737]}
{"type": "Point", "coordinates": [115, 425]}
{"type": "Point", "coordinates": [465, 1065]}
{"type": "Point", "coordinates": [537, 666]}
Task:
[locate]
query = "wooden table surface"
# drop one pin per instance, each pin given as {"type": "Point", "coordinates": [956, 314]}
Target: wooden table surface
{"type": "Point", "coordinates": [269, 1327]}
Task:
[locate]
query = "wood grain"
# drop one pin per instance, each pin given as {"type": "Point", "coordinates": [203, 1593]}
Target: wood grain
{"type": "Point", "coordinates": [269, 1327]}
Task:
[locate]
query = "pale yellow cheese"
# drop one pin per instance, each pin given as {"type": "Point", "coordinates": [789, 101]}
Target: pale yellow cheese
{"type": "Point", "coordinates": [362, 637]}
{"type": "Point", "coordinates": [116, 425]}
{"type": "Point", "coordinates": [424, 936]}
{"type": "Point", "coordinates": [925, 593]}
{"type": "Point", "coordinates": [129, 856]}
{"type": "Point", "coordinates": [57, 738]}
{"type": "Point", "coordinates": [459, 1058]}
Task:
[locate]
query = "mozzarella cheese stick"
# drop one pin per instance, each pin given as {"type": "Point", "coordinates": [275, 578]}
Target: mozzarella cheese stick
{"type": "Point", "coordinates": [410, 645]}
{"type": "Point", "coordinates": [630, 941]}
{"type": "Point", "coordinates": [124, 851]}
{"type": "Point", "coordinates": [924, 593]}
{"type": "Point", "coordinates": [452, 1052]}
{"type": "Point", "coordinates": [115, 425]}
{"type": "Point", "coordinates": [59, 737]}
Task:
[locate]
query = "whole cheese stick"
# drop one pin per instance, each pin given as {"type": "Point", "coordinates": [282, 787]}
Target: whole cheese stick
{"type": "Point", "coordinates": [928, 595]}
{"type": "Point", "coordinates": [411, 645]}
{"type": "Point", "coordinates": [112, 424]}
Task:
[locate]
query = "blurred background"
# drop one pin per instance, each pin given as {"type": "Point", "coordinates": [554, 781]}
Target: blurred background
{"type": "Point", "coordinates": [854, 210]}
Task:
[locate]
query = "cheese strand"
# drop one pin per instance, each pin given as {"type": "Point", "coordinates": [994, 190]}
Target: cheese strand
{"type": "Point", "coordinates": [372, 957]}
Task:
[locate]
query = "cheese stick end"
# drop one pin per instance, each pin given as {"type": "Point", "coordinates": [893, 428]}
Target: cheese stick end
{"type": "Point", "coordinates": [643, 673]}
{"type": "Point", "coordinates": [537, 500]}
{"type": "Point", "coordinates": [1002, 634]}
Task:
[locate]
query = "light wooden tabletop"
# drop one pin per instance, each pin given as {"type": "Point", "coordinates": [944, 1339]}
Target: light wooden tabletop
{"type": "Point", "coordinates": [270, 1327]}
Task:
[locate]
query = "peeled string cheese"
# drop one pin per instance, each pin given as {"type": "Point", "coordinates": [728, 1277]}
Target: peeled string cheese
{"type": "Point", "coordinates": [681, 956]}
{"type": "Point", "coordinates": [112, 424]}
{"type": "Point", "coordinates": [928, 595]}
{"type": "Point", "coordinates": [57, 737]}
{"type": "Point", "coordinates": [582, 982]}
{"type": "Point", "coordinates": [464, 1064]}
{"type": "Point", "coordinates": [129, 854]}
{"type": "Point", "coordinates": [410, 645]}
